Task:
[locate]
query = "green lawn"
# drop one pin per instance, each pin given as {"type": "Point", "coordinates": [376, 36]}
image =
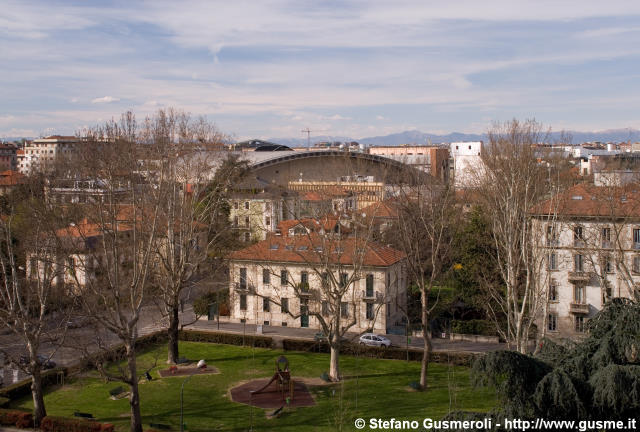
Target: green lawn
{"type": "Point", "coordinates": [381, 390]}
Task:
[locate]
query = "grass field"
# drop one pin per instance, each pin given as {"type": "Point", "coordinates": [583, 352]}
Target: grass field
{"type": "Point", "coordinates": [380, 390]}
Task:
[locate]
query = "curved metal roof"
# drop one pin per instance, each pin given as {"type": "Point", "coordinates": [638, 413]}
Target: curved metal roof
{"type": "Point", "coordinates": [281, 157]}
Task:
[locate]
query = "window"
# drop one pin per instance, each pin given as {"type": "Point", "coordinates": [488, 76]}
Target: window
{"type": "Point", "coordinates": [246, 221]}
{"type": "Point", "coordinates": [607, 264]}
{"type": "Point", "coordinates": [605, 234]}
{"type": "Point", "coordinates": [552, 238]}
{"type": "Point", "coordinates": [247, 237]}
{"type": "Point", "coordinates": [636, 264]}
{"type": "Point", "coordinates": [243, 302]}
{"type": "Point", "coordinates": [266, 276]}
{"type": "Point", "coordinates": [369, 311]}
{"type": "Point", "coordinates": [283, 277]}
{"type": "Point", "coordinates": [344, 278]}
{"type": "Point", "coordinates": [235, 221]}
{"type": "Point", "coordinates": [235, 205]}
{"type": "Point", "coordinates": [578, 263]}
{"type": "Point", "coordinates": [578, 239]}
{"type": "Point", "coordinates": [325, 280]}
{"type": "Point", "coordinates": [344, 309]}
{"type": "Point", "coordinates": [243, 278]}
{"type": "Point", "coordinates": [636, 238]}
{"type": "Point", "coordinates": [284, 305]}
{"type": "Point", "coordinates": [553, 261]}
{"type": "Point", "coordinates": [266, 305]}
{"type": "Point", "coordinates": [553, 291]}
{"type": "Point", "coordinates": [246, 205]}
{"type": "Point", "coordinates": [579, 322]}
{"type": "Point", "coordinates": [33, 268]}
{"type": "Point", "coordinates": [325, 308]}
{"type": "Point", "coordinates": [304, 281]}
{"type": "Point", "coordinates": [369, 286]}
{"type": "Point", "coordinates": [267, 221]}
{"type": "Point", "coordinates": [578, 294]}
{"type": "Point", "coordinates": [71, 266]}
{"type": "Point", "coordinates": [267, 206]}
{"type": "Point", "coordinates": [552, 323]}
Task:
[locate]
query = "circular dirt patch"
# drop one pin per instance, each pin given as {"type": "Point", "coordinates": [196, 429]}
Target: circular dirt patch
{"type": "Point", "coordinates": [184, 371]}
{"type": "Point", "coordinates": [271, 397]}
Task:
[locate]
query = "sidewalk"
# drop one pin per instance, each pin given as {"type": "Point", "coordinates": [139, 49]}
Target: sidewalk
{"type": "Point", "coordinates": [308, 334]}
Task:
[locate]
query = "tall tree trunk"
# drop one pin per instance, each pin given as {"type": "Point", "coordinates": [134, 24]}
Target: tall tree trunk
{"type": "Point", "coordinates": [334, 362]}
{"type": "Point", "coordinates": [39, 410]}
{"type": "Point", "coordinates": [134, 398]}
{"type": "Point", "coordinates": [426, 336]}
{"type": "Point", "coordinates": [172, 332]}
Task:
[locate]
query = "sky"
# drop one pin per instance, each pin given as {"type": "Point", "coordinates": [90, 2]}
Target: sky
{"type": "Point", "coordinates": [265, 69]}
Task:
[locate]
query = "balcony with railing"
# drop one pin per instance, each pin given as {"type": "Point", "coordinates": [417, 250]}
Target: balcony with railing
{"type": "Point", "coordinates": [578, 308]}
{"type": "Point", "coordinates": [372, 296]}
{"type": "Point", "coordinates": [244, 287]}
{"type": "Point", "coordinates": [579, 276]}
{"type": "Point", "coordinates": [303, 289]}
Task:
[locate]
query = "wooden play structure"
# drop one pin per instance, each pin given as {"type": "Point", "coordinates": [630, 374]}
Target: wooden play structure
{"type": "Point", "coordinates": [282, 377]}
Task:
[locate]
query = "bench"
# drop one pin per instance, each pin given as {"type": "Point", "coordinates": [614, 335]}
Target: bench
{"type": "Point", "coordinates": [83, 415]}
{"type": "Point", "coordinates": [160, 426]}
{"type": "Point", "coordinates": [116, 391]}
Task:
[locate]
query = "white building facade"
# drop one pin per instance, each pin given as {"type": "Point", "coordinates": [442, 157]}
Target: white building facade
{"type": "Point", "coordinates": [269, 280]}
{"type": "Point", "coordinates": [592, 248]}
{"type": "Point", "coordinates": [467, 160]}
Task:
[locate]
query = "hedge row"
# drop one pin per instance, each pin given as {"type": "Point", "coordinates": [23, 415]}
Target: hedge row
{"type": "Point", "coordinates": [20, 419]}
{"type": "Point", "coordinates": [226, 338]}
{"type": "Point", "coordinates": [63, 424]}
{"type": "Point", "coordinates": [457, 358]}
{"type": "Point", "coordinates": [474, 327]}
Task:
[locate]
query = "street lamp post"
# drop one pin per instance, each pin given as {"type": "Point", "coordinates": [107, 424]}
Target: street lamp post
{"type": "Point", "coordinates": [182, 400]}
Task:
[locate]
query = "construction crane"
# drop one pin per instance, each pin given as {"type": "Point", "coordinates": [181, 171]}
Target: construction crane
{"type": "Point", "coordinates": [308, 132]}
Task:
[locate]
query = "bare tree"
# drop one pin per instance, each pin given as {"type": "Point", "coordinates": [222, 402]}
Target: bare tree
{"type": "Point", "coordinates": [193, 207]}
{"type": "Point", "coordinates": [31, 289]}
{"type": "Point", "coordinates": [119, 235]}
{"type": "Point", "coordinates": [321, 264]}
{"type": "Point", "coordinates": [509, 183]}
{"type": "Point", "coordinates": [427, 218]}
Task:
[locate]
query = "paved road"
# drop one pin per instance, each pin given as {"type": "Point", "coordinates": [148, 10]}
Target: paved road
{"type": "Point", "coordinates": [151, 321]}
{"type": "Point", "coordinates": [306, 333]}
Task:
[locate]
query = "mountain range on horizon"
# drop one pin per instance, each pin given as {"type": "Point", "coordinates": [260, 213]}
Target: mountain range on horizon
{"type": "Point", "coordinates": [417, 137]}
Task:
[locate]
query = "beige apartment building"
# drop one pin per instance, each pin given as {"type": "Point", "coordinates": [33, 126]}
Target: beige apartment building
{"type": "Point", "coordinates": [590, 238]}
{"type": "Point", "coordinates": [289, 273]}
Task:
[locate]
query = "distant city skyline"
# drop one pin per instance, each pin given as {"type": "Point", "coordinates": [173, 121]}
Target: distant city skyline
{"type": "Point", "coordinates": [270, 69]}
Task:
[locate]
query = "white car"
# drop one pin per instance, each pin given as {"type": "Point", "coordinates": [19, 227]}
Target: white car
{"type": "Point", "coordinates": [372, 339]}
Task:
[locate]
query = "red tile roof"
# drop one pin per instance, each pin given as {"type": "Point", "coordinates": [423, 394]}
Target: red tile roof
{"type": "Point", "coordinates": [382, 209]}
{"type": "Point", "coordinates": [592, 201]}
{"type": "Point", "coordinates": [313, 249]}
{"type": "Point", "coordinates": [11, 178]}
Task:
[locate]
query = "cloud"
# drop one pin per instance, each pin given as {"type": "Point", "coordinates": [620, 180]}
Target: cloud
{"type": "Point", "coordinates": [336, 117]}
{"type": "Point", "coordinates": [379, 117]}
{"type": "Point", "coordinates": [106, 99]}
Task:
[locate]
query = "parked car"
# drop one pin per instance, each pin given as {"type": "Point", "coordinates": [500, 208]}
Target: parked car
{"type": "Point", "coordinates": [43, 360]}
{"type": "Point", "coordinates": [372, 339]}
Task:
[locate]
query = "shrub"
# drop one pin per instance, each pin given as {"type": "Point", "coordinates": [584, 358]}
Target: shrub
{"type": "Point", "coordinates": [226, 338]}
{"type": "Point", "coordinates": [21, 419]}
{"type": "Point", "coordinates": [474, 327]}
{"type": "Point", "coordinates": [63, 424]}
{"type": "Point", "coordinates": [4, 401]}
